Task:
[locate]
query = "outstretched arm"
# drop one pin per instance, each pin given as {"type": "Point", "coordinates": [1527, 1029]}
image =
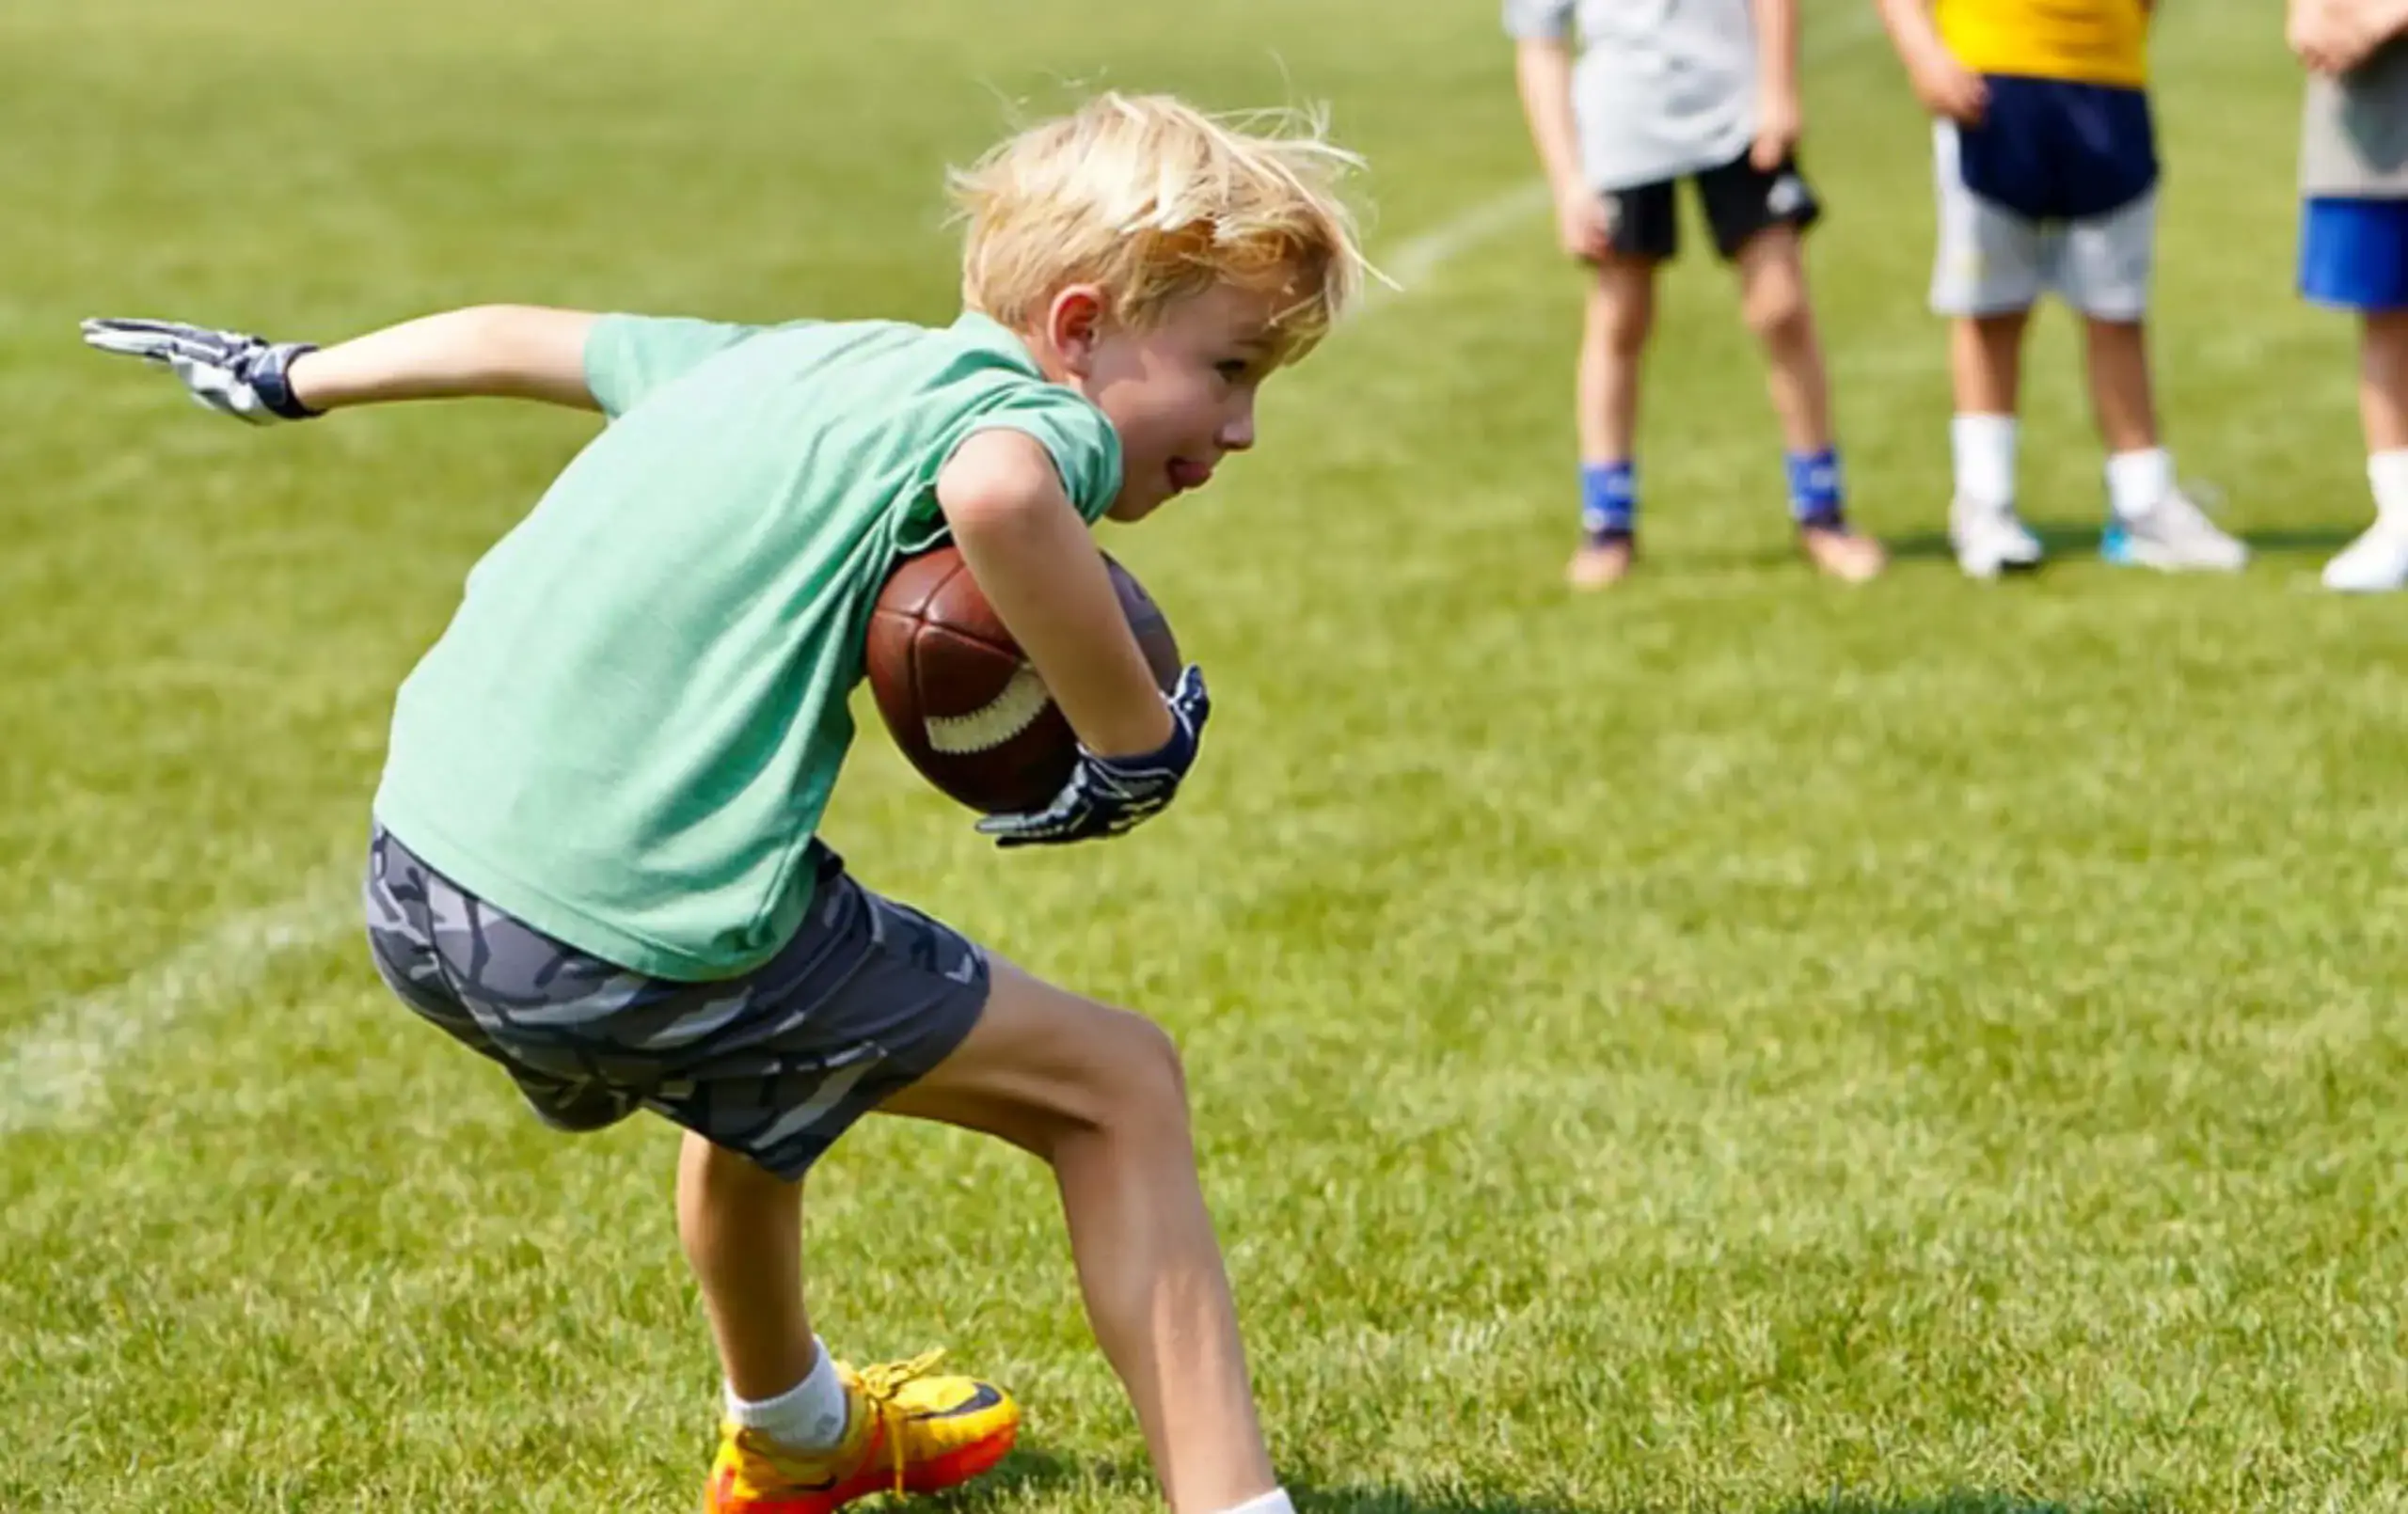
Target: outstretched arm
{"type": "Point", "coordinates": [502, 351]}
{"type": "Point", "coordinates": [507, 351]}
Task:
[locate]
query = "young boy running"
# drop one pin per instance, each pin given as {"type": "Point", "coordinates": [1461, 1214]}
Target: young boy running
{"type": "Point", "coordinates": [594, 858]}
{"type": "Point", "coordinates": [1664, 91]}
{"type": "Point", "coordinates": [2047, 170]}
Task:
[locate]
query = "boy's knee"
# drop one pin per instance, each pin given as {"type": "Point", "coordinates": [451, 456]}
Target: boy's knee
{"type": "Point", "coordinates": [1621, 311]}
{"type": "Point", "coordinates": [1627, 336]}
{"type": "Point", "coordinates": [1145, 1078]}
{"type": "Point", "coordinates": [1777, 311]}
{"type": "Point", "coordinates": [1131, 1084]}
{"type": "Point", "coordinates": [1622, 331]}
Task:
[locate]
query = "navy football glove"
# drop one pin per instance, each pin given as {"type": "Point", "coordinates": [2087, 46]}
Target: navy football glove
{"type": "Point", "coordinates": [1110, 796]}
{"type": "Point", "coordinates": [228, 371]}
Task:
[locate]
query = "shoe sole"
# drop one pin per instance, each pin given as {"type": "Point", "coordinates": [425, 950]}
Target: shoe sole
{"type": "Point", "coordinates": [2130, 557]}
{"type": "Point", "coordinates": [934, 1476]}
{"type": "Point", "coordinates": [2118, 549]}
{"type": "Point", "coordinates": [1999, 568]}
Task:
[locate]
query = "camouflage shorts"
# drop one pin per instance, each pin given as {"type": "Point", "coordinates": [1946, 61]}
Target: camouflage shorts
{"type": "Point", "coordinates": [866, 999]}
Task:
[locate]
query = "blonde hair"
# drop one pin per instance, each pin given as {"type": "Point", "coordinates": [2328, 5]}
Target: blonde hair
{"type": "Point", "coordinates": [1155, 201]}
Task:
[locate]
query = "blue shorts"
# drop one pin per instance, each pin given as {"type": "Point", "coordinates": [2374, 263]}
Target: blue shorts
{"type": "Point", "coordinates": [2353, 252]}
{"type": "Point", "coordinates": [2049, 150]}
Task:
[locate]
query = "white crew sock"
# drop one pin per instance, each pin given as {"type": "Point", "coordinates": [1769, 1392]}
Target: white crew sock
{"type": "Point", "coordinates": [2137, 480]}
{"type": "Point", "coordinates": [1984, 451]}
{"type": "Point", "coordinates": [2387, 472]}
{"type": "Point", "coordinates": [1273, 1502]}
{"type": "Point", "coordinates": [809, 1416]}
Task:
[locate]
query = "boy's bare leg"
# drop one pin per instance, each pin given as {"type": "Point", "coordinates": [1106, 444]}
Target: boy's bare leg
{"type": "Point", "coordinates": [1986, 374]}
{"type": "Point", "coordinates": [2377, 562]}
{"type": "Point", "coordinates": [805, 1434]}
{"type": "Point", "coordinates": [1772, 295]}
{"type": "Point", "coordinates": [1619, 318]}
{"type": "Point", "coordinates": [1620, 315]}
{"type": "Point", "coordinates": [2154, 523]}
{"type": "Point", "coordinates": [1099, 1095]}
{"type": "Point", "coordinates": [1986, 362]}
{"type": "Point", "coordinates": [742, 1230]}
{"type": "Point", "coordinates": [2383, 381]}
{"type": "Point", "coordinates": [2117, 353]}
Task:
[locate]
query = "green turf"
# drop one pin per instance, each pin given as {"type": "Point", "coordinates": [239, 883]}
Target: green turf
{"type": "Point", "coordinates": [1739, 1044]}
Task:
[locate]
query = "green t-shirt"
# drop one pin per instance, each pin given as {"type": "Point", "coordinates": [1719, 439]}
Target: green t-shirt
{"type": "Point", "coordinates": [628, 733]}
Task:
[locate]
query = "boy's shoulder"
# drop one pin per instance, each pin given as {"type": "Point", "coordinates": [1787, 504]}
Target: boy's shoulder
{"type": "Point", "coordinates": [971, 347]}
{"type": "Point", "coordinates": [901, 389]}
{"type": "Point", "coordinates": [854, 364]}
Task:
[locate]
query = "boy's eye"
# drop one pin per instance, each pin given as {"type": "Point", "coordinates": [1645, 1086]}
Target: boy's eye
{"type": "Point", "coordinates": [1233, 371]}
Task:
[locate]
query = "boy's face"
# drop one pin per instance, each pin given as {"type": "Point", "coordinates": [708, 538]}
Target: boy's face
{"type": "Point", "coordinates": [1179, 393]}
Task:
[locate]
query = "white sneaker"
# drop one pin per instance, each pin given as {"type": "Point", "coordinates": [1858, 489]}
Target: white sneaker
{"type": "Point", "coordinates": [2173, 536]}
{"type": "Point", "coordinates": [2375, 563]}
{"type": "Point", "coordinates": [1990, 539]}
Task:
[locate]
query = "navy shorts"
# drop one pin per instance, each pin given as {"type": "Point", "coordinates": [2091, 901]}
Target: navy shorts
{"type": "Point", "coordinates": [2353, 252]}
{"type": "Point", "coordinates": [866, 999]}
{"type": "Point", "coordinates": [2049, 150]}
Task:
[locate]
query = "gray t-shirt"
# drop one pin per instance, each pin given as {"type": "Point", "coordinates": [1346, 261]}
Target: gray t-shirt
{"type": "Point", "coordinates": [1663, 88]}
{"type": "Point", "coordinates": [2353, 142]}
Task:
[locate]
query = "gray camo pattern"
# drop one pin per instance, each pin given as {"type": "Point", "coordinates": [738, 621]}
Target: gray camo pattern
{"type": "Point", "coordinates": [867, 997]}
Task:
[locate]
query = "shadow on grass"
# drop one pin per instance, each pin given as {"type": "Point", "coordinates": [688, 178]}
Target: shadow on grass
{"type": "Point", "coordinates": [1028, 1476]}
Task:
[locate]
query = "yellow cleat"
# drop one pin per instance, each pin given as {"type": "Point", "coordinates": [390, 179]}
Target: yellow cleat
{"type": "Point", "coordinates": [908, 1433]}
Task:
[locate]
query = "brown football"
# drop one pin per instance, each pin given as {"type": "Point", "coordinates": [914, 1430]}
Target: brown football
{"type": "Point", "coordinates": [960, 699]}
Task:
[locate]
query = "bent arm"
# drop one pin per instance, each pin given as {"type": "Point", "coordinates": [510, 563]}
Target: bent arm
{"type": "Point", "coordinates": [1038, 566]}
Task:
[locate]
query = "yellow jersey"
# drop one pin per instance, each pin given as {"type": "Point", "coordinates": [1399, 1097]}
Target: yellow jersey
{"type": "Point", "coordinates": [2081, 41]}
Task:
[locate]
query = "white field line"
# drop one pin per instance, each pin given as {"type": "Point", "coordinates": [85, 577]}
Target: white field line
{"type": "Point", "coordinates": [1411, 265]}
{"type": "Point", "coordinates": [55, 1074]}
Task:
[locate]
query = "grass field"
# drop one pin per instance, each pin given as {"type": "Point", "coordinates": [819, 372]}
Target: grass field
{"type": "Point", "coordinates": [1736, 1045]}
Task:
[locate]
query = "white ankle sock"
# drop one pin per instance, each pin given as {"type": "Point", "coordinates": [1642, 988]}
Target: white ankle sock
{"type": "Point", "coordinates": [1273, 1502]}
{"type": "Point", "coordinates": [2137, 480]}
{"type": "Point", "coordinates": [2387, 472]}
{"type": "Point", "coordinates": [809, 1416]}
{"type": "Point", "coordinates": [1983, 447]}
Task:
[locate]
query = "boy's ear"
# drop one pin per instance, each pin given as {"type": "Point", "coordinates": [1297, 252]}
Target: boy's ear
{"type": "Point", "coordinates": [1074, 324]}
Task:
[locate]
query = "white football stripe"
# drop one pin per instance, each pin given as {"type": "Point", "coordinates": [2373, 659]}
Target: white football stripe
{"type": "Point", "coordinates": [996, 721]}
